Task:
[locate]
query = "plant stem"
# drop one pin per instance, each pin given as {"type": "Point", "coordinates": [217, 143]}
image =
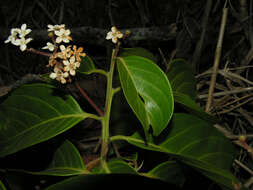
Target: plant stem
{"type": "Point", "coordinates": [110, 91]}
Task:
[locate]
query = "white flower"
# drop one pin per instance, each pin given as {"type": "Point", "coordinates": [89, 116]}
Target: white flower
{"type": "Point", "coordinates": [65, 52]}
{"type": "Point", "coordinates": [59, 75]}
{"type": "Point", "coordinates": [22, 43]}
{"type": "Point", "coordinates": [23, 31]}
{"type": "Point", "coordinates": [49, 46]}
{"type": "Point", "coordinates": [71, 65]}
{"type": "Point", "coordinates": [63, 35]}
{"type": "Point", "coordinates": [114, 34]}
{"type": "Point", "coordinates": [55, 27]}
{"type": "Point", "coordinates": [13, 37]}
{"type": "Point", "coordinates": [17, 37]}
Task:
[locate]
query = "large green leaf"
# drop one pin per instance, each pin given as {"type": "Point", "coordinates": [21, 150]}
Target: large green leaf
{"type": "Point", "coordinates": [183, 83]}
{"type": "Point", "coordinates": [147, 91]}
{"type": "Point", "coordinates": [169, 171]}
{"type": "Point", "coordinates": [2, 186]}
{"type": "Point", "coordinates": [34, 113]}
{"type": "Point", "coordinates": [66, 162]}
{"type": "Point", "coordinates": [181, 77]}
{"type": "Point", "coordinates": [196, 143]}
{"type": "Point", "coordinates": [138, 51]}
{"type": "Point", "coordinates": [110, 181]}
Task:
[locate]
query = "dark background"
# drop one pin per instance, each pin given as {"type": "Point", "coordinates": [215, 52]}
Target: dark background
{"type": "Point", "coordinates": [169, 29]}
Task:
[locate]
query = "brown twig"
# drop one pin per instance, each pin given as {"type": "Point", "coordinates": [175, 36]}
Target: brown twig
{"type": "Point", "coordinates": [39, 52]}
{"type": "Point", "coordinates": [100, 113]}
{"type": "Point", "coordinates": [217, 59]}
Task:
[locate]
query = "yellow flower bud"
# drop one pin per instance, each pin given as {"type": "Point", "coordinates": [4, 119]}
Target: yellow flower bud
{"type": "Point", "coordinates": [50, 34]}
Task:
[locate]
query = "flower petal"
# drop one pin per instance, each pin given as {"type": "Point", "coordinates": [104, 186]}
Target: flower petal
{"type": "Point", "coordinates": [109, 36]}
{"type": "Point", "coordinates": [53, 75]}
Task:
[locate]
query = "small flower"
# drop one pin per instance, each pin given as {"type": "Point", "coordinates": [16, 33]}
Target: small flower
{"type": "Point", "coordinates": [52, 60]}
{"type": "Point", "coordinates": [49, 46]}
{"type": "Point", "coordinates": [23, 43]}
{"type": "Point", "coordinates": [63, 35]}
{"type": "Point", "coordinates": [23, 31]}
{"type": "Point", "coordinates": [114, 34]}
{"type": "Point", "coordinates": [65, 52]}
{"type": "Point", "coordinates": [59, 75]}
{"type": "Point", "coordinates": [55, 27]}
{"type": "Point", "coordinates": [17, 37]}
{"type": "Point", "coordinates": [13, 37]}
{"type": "Point", "coordinates": [78, 52]}
{"type": "Point", "coordinates": [71, 65]}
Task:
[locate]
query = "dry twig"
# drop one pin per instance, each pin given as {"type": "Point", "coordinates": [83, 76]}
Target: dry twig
{"type": "Point", "coordinates": [217, 59]}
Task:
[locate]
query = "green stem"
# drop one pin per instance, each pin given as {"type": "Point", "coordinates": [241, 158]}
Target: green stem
{"type": "Point", "coordinates": [110, 91]}
{"type": "Point", "coordinates": [100, 71]}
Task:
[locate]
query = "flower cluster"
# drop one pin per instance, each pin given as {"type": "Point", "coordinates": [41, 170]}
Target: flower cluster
{"type": "Point", "coordinates": [17, 37]}
{"type": "Point", "coordinates": [67, 60]}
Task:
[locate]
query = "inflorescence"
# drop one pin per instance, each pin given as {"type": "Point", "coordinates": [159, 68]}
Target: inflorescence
{"type": "Point", "coordinates": [64, 60]}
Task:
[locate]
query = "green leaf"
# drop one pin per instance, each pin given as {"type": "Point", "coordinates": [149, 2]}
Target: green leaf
{"type": "Point", "coordinates": [183, 84]}
{"type": "Point", "coordinates": [147, 91]}
{"type": "Point", "coordinates": [192, 107]}
{"type": "Point", "coordinates": [35, 113]}
{"type": "Point", "coordinates": [138, 51]}
{"type": "Point", "coordinates": [2, 186]}
{"type": "Point", "coordinates": [118, 166]}
{"type": "Point", "coordinates": [87, 65]}
{"type": "Point", "coordinates": [181, 77]}
{"type": "Point", "coordinates": [66, 162]}
{"type": "Point", "coordinates": [196, 143]}
{"type": "Point", "coordinates": [110, 181]}
{"type": "Point", "coordinates": [169, 171]}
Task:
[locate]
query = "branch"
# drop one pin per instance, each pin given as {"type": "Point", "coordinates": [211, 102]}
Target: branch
{"type": "Point", "coordinates": [96, 36]}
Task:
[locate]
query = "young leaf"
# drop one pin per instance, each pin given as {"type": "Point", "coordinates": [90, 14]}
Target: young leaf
{"type": "Point", "coordinates": [35, 113]}
{"type": "Point", "coordinates": [66, 162]}
{"type": "Point", "coordinates": [2, 186]}
{"type": "Point", "coordinates": [137, 52]}
{"type": "Point", "coordinates": [196, 143]}
{"type": "Point", "coordinates": [147, 91]}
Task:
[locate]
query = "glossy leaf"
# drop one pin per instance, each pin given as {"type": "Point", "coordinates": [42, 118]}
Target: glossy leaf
{"type": "Point", "coordinates": [110, 181]}
{"type": "Point", "coordinates": [87, 65]}
{"type": "Point", "coordinates": [196, 143]}
{"type": "Point", "coordinates": [169, 171]}
{"type": "Point", "coordinates": [138, 51]}
{"type": "Point", "coordinates": [35, 113]}
{"type": "Point", "coordinates": [147, 91]}
{"type": "Point", "coordinates": [66, 162]}
{"type": "Point", "coordinates": [2, 187]}
{"type": "Point", "coordinates": [181, 77]}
